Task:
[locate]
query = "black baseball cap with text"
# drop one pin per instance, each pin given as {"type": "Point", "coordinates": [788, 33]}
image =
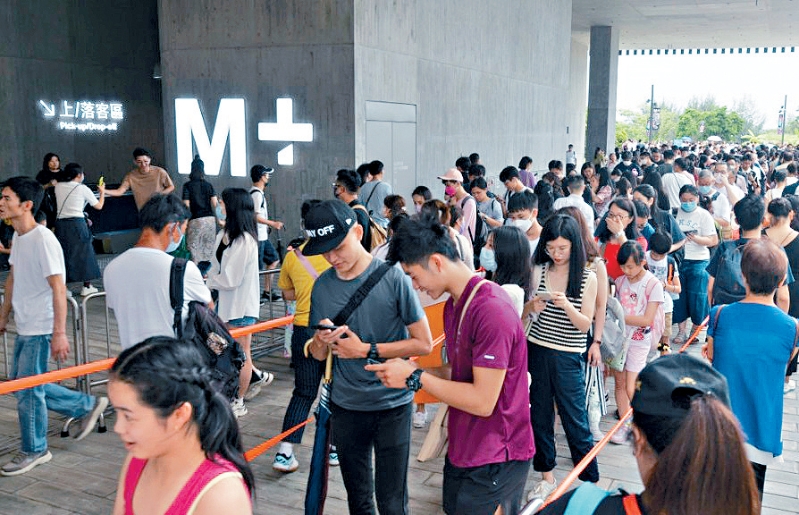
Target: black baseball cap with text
{"type": "Point", "coordinates": [326, 226]}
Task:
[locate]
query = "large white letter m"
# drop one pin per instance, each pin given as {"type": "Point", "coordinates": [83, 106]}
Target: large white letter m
{"type": "Point", "coordinates": [189, 123]}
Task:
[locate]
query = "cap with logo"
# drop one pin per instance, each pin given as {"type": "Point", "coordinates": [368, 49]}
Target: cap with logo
{"type": "Point", "coordinates": [326, 226]}
{"type": "Point", "coordinates": [666, 386]}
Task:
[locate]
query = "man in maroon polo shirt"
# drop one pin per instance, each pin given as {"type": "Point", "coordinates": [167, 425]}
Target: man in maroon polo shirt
{"type": "Point", "coordinates": [485, 382]}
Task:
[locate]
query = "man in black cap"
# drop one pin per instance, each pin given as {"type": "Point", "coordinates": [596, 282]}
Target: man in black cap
{"type": "Point", "coordinates": [388, 323]}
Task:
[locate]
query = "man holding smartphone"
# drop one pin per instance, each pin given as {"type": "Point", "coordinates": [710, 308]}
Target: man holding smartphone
{"type": "Point", "coordinates": [388, 323]}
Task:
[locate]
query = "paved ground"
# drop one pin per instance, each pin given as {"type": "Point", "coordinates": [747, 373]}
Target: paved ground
{"type": "Point", "coordinates": [82, 477]}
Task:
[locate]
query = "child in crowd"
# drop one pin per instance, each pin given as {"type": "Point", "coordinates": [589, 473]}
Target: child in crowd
{"type": "Point", "coordinates": [664, 267]}
{"type": "Point", "coordinates": [641, 295]}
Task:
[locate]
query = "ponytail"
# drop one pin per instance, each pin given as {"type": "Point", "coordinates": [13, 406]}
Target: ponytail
{"type": "Point", "coordinates": [219, 435]}
{"type": "Point", "coordinates": [704, 468]}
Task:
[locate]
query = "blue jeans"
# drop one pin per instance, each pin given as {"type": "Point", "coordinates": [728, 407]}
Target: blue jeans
{"type": "Point", "coordinates": [693, 301]}
{"type": "Point", "coordinates": [558, 378]}
{"type": "Point", "coordinates": [30, 358]}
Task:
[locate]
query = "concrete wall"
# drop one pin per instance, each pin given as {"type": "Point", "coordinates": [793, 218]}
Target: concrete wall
{"type": "Point", "coordinates": [260, 51]}
{"type": "Point", "coordinates": [486, 77]}
{"type": "Point", "coordinates": [578, 97]}
{"type": "Point", "coordinates": [94, 50]}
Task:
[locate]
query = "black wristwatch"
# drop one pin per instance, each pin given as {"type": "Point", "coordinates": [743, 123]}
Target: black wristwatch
{"type": "Point", "coordinates": [373, 352]}
{"type": "Point", "coordinates": [412, 382]}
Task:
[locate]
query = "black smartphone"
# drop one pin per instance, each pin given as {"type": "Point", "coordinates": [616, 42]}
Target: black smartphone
{"type": "Point", "coordinates": [319, 327]}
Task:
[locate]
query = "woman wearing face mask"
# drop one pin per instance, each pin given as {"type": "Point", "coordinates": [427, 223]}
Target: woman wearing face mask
{"type": "Point", "coordinates": [523, 213]}
{"type": "Point", "coordinates": [420, 195]}
{"type": "Point", "coordinates": [71, 228]}
{"type": "Point", "coordinates": [506, 257]}
{"type": "Point", "coordinates": [234, 273]}
{"type": "Point", "coordinates": [457, 196]}
{"type": "Point", "coordinates": [700, 234]}
{"type": "Point", "coordinates": [200, 197]}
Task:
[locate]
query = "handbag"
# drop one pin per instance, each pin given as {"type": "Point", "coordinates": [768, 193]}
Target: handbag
{"type": "Point", "coordinates": [438, 435]}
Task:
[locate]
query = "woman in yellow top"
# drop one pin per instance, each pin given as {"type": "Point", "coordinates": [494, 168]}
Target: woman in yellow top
{"type": "Point", "coordinates": [297, 276]}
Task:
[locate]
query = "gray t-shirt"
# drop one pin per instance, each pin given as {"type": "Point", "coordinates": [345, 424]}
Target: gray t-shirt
{"type": "Point", "coordinates": [372, 195]}
{"type": "Point", "coordinates": [492, 209]}
{"type": "Point", "coordinates": [382, 317]}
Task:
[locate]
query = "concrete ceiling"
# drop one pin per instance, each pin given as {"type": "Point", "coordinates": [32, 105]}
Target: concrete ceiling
{"type": "Point", "coordinates": [678, 24]}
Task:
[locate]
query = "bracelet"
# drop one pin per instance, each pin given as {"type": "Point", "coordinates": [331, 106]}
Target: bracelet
{"type": "Point", "coordinates": [597, 342]}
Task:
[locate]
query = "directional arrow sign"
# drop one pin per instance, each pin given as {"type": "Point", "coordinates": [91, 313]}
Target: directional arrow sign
{"type": "Point", "coordinates": [49, 109]}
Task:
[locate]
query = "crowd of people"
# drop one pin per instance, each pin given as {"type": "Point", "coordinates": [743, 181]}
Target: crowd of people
{"type": "Point", "coordinates": [656, 235]}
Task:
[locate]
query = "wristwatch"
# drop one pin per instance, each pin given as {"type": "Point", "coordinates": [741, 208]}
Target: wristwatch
{"type": "Point", "coordinates": [412, 382]}
{"type": "Point", "coordinates": [373, 352]}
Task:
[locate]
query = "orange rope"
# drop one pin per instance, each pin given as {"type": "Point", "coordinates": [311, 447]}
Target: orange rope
{"type": "Point", "coordinates": [261, 448]}
{"type": "Point", "coordinates": [560, 490]}
{"type": "Point", "coordinates": [22, 383]}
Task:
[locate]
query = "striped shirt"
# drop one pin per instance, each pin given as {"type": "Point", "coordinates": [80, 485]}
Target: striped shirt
{"type": "Point", "coordinates": [553, 328]}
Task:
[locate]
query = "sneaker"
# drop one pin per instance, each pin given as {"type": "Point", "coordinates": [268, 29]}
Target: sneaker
{"type": "Point", "coordinates": [622, 435]}
{"type": "Point", "coordinates": [285, 464]}
{"type": "Point", "coordinates": [255, 387]}
{"type": "Point", "coordinates": [90, 420]}
{"type": "Point", "coordinates": [597, 434]}
{"type": "Point", "coordinates": [88, 290]}
{"type": "Point", "coordinates": [542, 490]}
{"type": "Point", "coordinates": [22, 462]}
{"type": "Point", "coordinates": [419, 419]}
{"type": "Point", "coordinates": [789, 386]}
{"type": "Point", "coordinates": [332, 458]}
{"type": "Point", "coordinates": [238, 407]}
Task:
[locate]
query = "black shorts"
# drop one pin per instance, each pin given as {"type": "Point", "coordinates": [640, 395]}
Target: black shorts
{"type": "Point", "coordinates": [480, 490]}
{"type": "Point", "coordinates": [791, 366]}
{"type": "Point", "coordinates": [266, 254]}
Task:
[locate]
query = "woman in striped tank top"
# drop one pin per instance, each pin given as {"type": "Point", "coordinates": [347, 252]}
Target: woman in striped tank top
{"type": "Point", "coordinates": [563, 307]}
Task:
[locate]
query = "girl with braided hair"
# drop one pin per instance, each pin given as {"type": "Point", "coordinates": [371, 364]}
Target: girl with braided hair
{"type": "Point", "coordinates": [184, 448]}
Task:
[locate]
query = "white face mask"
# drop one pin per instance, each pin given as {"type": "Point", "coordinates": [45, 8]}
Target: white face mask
{"type": "Point", "coordinates": [524, 225]}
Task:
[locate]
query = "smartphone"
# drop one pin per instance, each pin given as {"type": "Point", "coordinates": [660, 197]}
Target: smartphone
{"type": "Point", "coordinates": [544, 295]}
{"type": "Point", "coordinates": [319, 327]}
{"type": "Point", "coordinates": [689, 232]}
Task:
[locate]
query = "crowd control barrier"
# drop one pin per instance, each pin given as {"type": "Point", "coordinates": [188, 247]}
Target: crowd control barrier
{"type": "Point", "coordinates": [537, 504]}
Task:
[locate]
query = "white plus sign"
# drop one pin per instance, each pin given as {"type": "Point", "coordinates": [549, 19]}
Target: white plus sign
{"type": "Point", "coordinates": [285, 130]}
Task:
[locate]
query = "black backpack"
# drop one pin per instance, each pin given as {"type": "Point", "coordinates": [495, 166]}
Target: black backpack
{"type": "Point", "coordinates": [480, 235]}
{"type": "Point", "coordinates": [728, 286]}
{"type": "Point", "coordinates": [207, 331]}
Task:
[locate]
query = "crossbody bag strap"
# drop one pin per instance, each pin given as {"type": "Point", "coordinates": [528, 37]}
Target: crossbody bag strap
{"type": "Point", "coordinates": [370, 195]}
{"type": "Point", "coordinates": [176, 273]}
{"type": "Point", "coordinates": [305, 263]}
{"type": "Point", "coordinates": [630, 503]}
{"type": "Point", "coordinates": [466, 306]}
{"type": "Point", "coordinates": [360, 294]}
{"type": "Point", "coordinates": [65, 200]}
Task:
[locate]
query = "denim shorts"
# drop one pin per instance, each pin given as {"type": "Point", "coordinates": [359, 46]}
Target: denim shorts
{"type": "Point", "coordinates": [242, 322]}
{"type": "Point", "coordinates": [266, 254]}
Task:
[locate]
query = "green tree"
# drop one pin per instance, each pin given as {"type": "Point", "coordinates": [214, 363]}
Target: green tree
{"type": "Point", "coordinates": [632, 124]}
{"type": "Point", "coordinates": [728, 125]}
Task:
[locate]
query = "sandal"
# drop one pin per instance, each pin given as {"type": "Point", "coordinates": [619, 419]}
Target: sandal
{"type": "Point", "coordinates": [679, 339]}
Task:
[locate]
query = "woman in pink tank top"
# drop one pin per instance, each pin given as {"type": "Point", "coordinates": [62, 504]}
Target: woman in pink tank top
{"type": "Point", "coordinates": [184, 449]}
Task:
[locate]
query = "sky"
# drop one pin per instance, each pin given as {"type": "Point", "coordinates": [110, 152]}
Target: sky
{"type": "Point", "coordinates": [763, 79]}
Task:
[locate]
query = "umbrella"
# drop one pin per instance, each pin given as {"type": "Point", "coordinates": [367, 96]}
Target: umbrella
{"type": "Point", "coordinates": [713, 138]}
{"type": "Point", "coordinates": [316, 492]}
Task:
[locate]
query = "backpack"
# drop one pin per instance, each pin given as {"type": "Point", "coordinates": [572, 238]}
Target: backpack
{"type": "Point", "coordinates": [480, 235]}
{"type": "Point", "coordinates": [614, 333]}
{"type": "Point", "coordinates": [378, 235]}
{"type": "Point", "coordinates": [208, 333]}
{"type": "Point", "coordinates": [728, 286]}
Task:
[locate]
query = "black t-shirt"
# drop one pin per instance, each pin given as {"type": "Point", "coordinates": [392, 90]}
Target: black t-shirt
{"type": "Point", "coordinates": [45, 176]}
{"type": "Point", "coordinates": [611, 505]}
{"type": "Point", "coordinates": [199, 194]}
{"type": "Point", "coordinates": [363, 220]}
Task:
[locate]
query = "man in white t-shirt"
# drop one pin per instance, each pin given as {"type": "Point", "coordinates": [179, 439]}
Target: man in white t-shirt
{"type": "Point", "coordinates": [36, 291]}
{"type": "Point", "coordinates": [674, 180]}
{"type": "Point", "coordinates": [268, 258]}
{"type": "Point", "coordinates": [576, 186]}
{"type": "Point", "coordinates": [137, 282]}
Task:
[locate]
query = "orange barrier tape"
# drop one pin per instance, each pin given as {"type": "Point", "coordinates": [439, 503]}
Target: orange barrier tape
{"type": "Point", "coordinates": [22, 383]}
{"type": "Point", "coordinates": [262, 448]}
{"type": "Point", "coordinates": [560, 490]}
{"type": "Point", "coordinates": [262, 326]}
{"type": "Point", "coordinates": [56, 375]}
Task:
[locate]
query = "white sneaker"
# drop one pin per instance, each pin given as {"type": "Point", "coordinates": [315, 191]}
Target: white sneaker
{"type": "Point", "coordinates": [22, 462]}
{"type": "Point", "coordinates": [789, 386]}
{"type": "Point", "coordinates": [597, 434]}
{"type": "Point", "coordinates": [285, 464]}
{"type": "Point", "coordinates": [88, 290]}
{"type": "Point", "coordinates": [255, 387]}
{"type": "Point", "coordinates": [238, 407]}
{"type": "Point", "coordinates": [91, 418]}
{"type": "Point", "coordinates": [419, 419]}
{"type": "Point", "coordinates": [332, 457]}
{"type": "Point", "coordinates": [542, 490]}
{"type": "Point", "coordinates": [622, 435]}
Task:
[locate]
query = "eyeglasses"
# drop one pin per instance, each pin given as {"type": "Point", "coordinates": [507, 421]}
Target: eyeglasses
{"type": "Point", "coordinates": [617, 216]}
{"type": "Point", "coordinates": [563, 249]}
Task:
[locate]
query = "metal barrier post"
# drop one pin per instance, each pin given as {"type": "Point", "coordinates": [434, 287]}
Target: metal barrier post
{"type": "Point", "coordinates": [532, 507]}
{"type": "Point", "coordinates": [80, 358]}
{"type": "Point", "coordinates": [5, 339]}
{"type": "Point", "coordinates": [84, 310]}
{"type": "Point", "coordinates": [270, 345]}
